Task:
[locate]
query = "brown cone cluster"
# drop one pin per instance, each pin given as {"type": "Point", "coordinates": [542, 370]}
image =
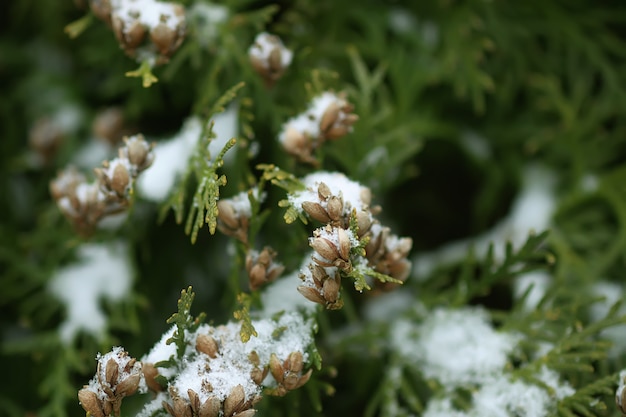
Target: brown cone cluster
{"type": "Point", "coordinates": [134, 32]}
{"type": "Point", "coordinates": [109, 125]}
{"type": "Point", "coordinates": [262, 268]}
{"type": "Point", "coordinates": [85, 204]}
{"type": "Point", "coordinates": [235, 404]}
{"type": "Point", "coordinates": [334, 246]}
{"type": "Point", "coordinates": [288, 374]}
{"type": "Point", "coordinates": [44, 138]}
{"type": "Point", "coordinates": [117, 377]}
{"type": "Point", "coordinates": [329, 117]}
{"type": "Point", "coordinates": [269, 57]}
{"type": "Point", "coordinates": [323, 287]}
{"type": "Point", "coordinates": [233, 218]}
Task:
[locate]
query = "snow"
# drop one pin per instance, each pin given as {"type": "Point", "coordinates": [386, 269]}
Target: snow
{"type": "Point", "coordinates": [308, 122]}
{"type": "Point", "coordinates": [531, 212]}
{"type": "Point", "coordinates": [455, 347]}
{"type": "Point", "coordinates": [161, 352]}
{"type": "Point", "coordinates": [620, 389]}
{"type": "Point", "coordinates": [172, 156]}
{"type": "Point", "coordinates": [101, 271]}
{"type": "Point", "coordinates": [264, 44]}
{"type": "Point", "coordinates": [232, 366]}
{"type": "Point", "coordinates": [153, 406]}
{"type": "Point", "coordinates": [282, 295]}
{"type": "Point", "coordinates": [501, 396]}
{"type": "Point", "coordinates": [170, 161]}
{"type": "Point", "coordinates": [388, 306]}
{"type": "Point", "coordinates": [147, 12]}
{"type": "Point", "coordinates": [206, 18]}
{"type": "Point", "coordinates": [352, 192]}
{"type": "Point", "coordinates": [92, 154]}
{"type": "Point", "coordinates": [241, 203]}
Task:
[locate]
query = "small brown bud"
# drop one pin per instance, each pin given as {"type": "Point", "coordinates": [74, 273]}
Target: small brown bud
{"type": "Point", "coordinates": [316, 211]}
{"type": "Point", "coordinates": [294, 362]}
{"type": "Point", "coordinates": [108, 125]}
{"type": "Point", "coordinates": [210, 408]}
{"type": "Point", "coordinates": [128, 386]}
{"type": "Point", "coordinates": [111, 372]}
{"type": "Point", "coordinates": [150, 373]}
{"type": "Point", "coordinates": [344, 244]}
{"type": "Point", "coordinates": [323, 191]}
{"type": "Point", "coordinates": [207, 345]}
{"type": "Point", "coordinates": [325, 248]}
{"type": "Point", "coordinates": [90, 402]}
{"type": "Point", "coordinates": [335, 208]}
{"type": "Point", "coordinates": [276, 368]}
{"type": "Point", "coordinates": [164, 38]}
{"type": "Point", "coordinates": [234, 401]}
{"type": "Point", "coordinates": [120, 180]}
{"type": "Point", "coordinates": [330, 116]}
{"type": "Point", "coordinates": [364, 223]}
{"type": "Point", "coordinates": [45, 138]}
{"type": "Point", "coordinates": [330, 290]}
{"type": "Point", "coordinates": [311, 294]}
{"type": "Point", "coordinates": [227, 214]}
{"type": "Point", "coordinates": [102, 10]}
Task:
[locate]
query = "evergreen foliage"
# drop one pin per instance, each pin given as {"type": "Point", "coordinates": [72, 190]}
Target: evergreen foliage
{"type": "Point", "coordinates": [491, 135]}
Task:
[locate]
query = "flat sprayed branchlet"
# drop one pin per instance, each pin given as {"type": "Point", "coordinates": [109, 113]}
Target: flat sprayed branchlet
{"type": "Point", "coordinates": [145, 29]}
{"type": "Point", "coordinates": [329, 117]}
{"type": "Point", "coordinates": [84, 203]}
{"type": "Point", "coordinates": [269, 57]}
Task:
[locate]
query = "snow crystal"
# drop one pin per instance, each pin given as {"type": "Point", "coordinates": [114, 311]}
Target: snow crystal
{"type": "Point", "coordinates": [455, 347]}
{"type": "Point", "coordinates": [102, 271]}
{"type": "Point", "coordinates": [352, 192]}
{"type": "Point", "coordinates": [531, 212]}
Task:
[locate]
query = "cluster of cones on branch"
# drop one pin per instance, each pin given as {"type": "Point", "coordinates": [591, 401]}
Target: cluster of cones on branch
{"type": "Point", "coordinates": [85, 203]}
{"type": "Point", "coordinates": [144, 28]}
{"type": "Point", "coordinates": [337, 248]}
